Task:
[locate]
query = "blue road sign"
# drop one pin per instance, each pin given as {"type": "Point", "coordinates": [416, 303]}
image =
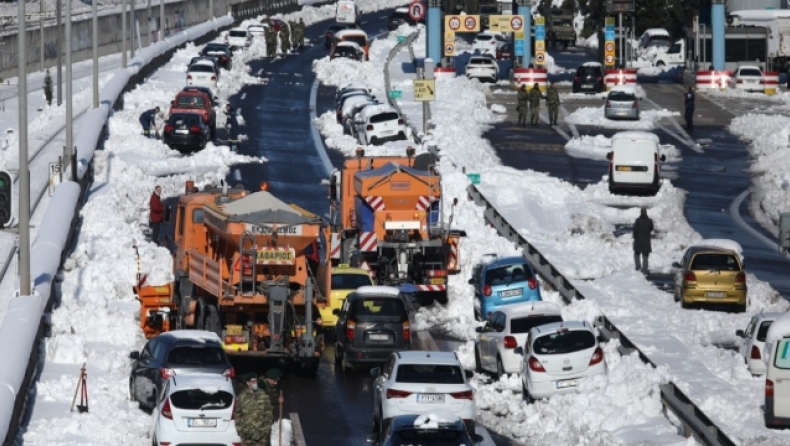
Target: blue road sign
{"type": "Point", "coordinates": [609, 28]}
{"type": "Point", "coordinates": [540, 33]}
{"type": "Point", "coordinates": [519, 47]}
{"type": "Point", "coordinates": [609, 36]}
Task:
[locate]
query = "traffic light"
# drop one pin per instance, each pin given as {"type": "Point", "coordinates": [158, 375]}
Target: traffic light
{"type": "Point", "coordinates": [6, 197]}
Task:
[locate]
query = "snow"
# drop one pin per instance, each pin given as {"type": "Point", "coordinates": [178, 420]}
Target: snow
{"type": "Point", "coordinates": [724, 244]}
{"type": "Point", "coordinates": [287, 436]}
{"type": "Point", "coordinates": [434, 419]}
{"type": "Point", "coordinates": [594, 116]}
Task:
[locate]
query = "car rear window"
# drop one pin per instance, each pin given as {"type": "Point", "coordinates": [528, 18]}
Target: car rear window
{"type": "Point", "coordinates": [349, 281]}
{"type": "Point", "coordinates": [503, 275]}
{"type": "Point", "coordinates": [191, 101]}
{"type": "Point", "coordinates": [782, 359]}
{"type": "Point", "coordinates": [715, 262]}
{"type": "Point", "coordinates": [483, 38]}
{"type": "Point", "coordinates": [186, 118]}
{"type": "Point", "coordinates": [201, 69]}
{"type": "Point", "coordinates": [762, 332]}
{"type": "Point", "coordinates": [238, 33]}
{"type": "Point", "coordinates": [343, 51]}
{"type": "Point", "coordinates": [430, 374]}
{"type": "Point", "coordinates": [384, 117]}
{"type": "Point", "coordinates": [621, 96]}
{"type": "Point", "coordinates": [563, 342]}
{"type": "Point", "coordinates": [202, 355]}
{"type": "Point", "coordinates": [378, 310]}
{"type": "Point", "coordinates": [562, 22]}
{"type": "Point", "coordinates": [525, 324]}
{"type": "Point", "coordinates": [214, 49]}
{"type": "Point", "coordinates": [480, 61]}
{"type": "Point", "coordinates": [197, 399]}
{"type": "Point", "coordinates": [750, 72]}
{"type": "Point", "coordinates": [589, 71]}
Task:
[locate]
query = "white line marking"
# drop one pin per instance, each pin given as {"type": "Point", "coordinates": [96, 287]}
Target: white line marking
{"type": "Point", "coordinates": [297, 429]}
{"type": "Point", "coordinates": [545, 118]}
{"type": "Point", "coordinates": [681, 134]}
{"type": "Point", "coordinates": [573, 128]}
{"type": "Point", "coordinates": [260, 71]}
{"type": "Point", "coordinates": [243, 96]}
{"type": "Point", "coordinates": [736, 215]}
{"type": "Point", "coordinates": [319, 143]}
{"type": "Point", "coordinates": [238, 111]}
{"type": "Point", "coordinates": [692, 146]}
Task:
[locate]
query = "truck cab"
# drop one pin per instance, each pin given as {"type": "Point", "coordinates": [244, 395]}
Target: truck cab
{"type": "Point", "coordinates": [674, 56]}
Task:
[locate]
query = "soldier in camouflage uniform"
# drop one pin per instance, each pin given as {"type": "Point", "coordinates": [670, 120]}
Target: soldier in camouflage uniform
{"type": "Point", "coordinates": [294, 33]}
{"type": "Point", "coordinates": [269, 385]}
{"type": "Point", "coordinates": [271, 42]}
{"type": "Point", "coordinates": [553, 102]}
{"type": "Point", "coordinates": [285, 38]}
{"type": "Point", "coordinates": [521, 108]}
{"type": "Point", "coordinates": [302, 27]}
{"type": "Point", "coordinates": [534, 104]}
{"type": "Point", "coordinates": [254, 414]}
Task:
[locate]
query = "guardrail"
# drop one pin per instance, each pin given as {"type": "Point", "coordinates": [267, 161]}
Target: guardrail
{"type": "Point", "coordinates": [695, 422]}
{"type": "Point", "coordinates": [387, 84]}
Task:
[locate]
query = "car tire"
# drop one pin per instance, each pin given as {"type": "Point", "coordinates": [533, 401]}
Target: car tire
{"type": "Point", "coordinates": [660, 64]}
{"type": "Point", "coordinates": [500, 368]}
{"type": "Point", "coordinates": [373, 141]}
{"type": "Point", "coordinates": [740, 308]}
{"type": "Point", "coordinates": [683, 303]}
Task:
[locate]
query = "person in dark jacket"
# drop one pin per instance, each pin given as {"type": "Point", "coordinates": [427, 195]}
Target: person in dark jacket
{"type": "Point", "coordinates": [643, 230]}
{"type": "Point", "coordinates": [688, 99]}
{"type": "Point", "coordinates": [157, 213]}
{"type": "Point", "coordinates": [232, 125]}
{"type": "Point", "coordinates": [148, 120]}
{"type": "Point", "coordinates": [269, 384]}
{"type": "Point", "coordinates": [523, 104]}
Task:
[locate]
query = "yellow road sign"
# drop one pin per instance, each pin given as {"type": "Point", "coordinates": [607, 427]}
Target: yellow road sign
{"type": "Point", "coordinates": [506, 23]}
{"type": "Point", "coordinates": [449, 49]}
{"type": "Point", "coordinates": [609, 21]}
{"type": "Point", "coordinates": [519, 35]}
{"type": "Point", "coordinates": [424, 90]}
{"type": "Point", "coordinates": [449, 37]}
{"type": "Point", "coordinates": [540, 21]}
{"type": "Point", "coordinates": [609, 59]}
{"type": "Point", "coordinates": [609, 47]}
{"type": "Point", "coordinates": [540, 46]}
{"type": "Point", "coordinates": [540, 57]}
{"type": "Point", "coordinates": [462, 23]}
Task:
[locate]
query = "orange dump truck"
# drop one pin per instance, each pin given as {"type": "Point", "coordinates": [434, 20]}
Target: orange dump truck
{"type": "Point", "coordinates": [246, 267]}
{"type": "Point", "coordinates": [386, 214]}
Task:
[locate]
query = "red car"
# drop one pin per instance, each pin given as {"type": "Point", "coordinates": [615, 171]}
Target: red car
{"type": "Point", "coordinates": [505, 51]}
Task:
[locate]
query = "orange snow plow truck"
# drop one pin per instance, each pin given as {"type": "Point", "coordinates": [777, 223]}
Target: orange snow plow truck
{"type": "Point", "coordinates": [246, 267]}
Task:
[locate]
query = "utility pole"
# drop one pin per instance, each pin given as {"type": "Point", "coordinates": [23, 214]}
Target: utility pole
{"type": "Point", "coordinates": [124, 37]}
{"type": "Point", "coordinates": [69, 112]}
{"type": "Point", "coordinates": [161, 19]}
{"type": "Point", "coordinates": [210, 9]}
{"type": "Point", "coordinates": [59, 25]}
{"type": "Point", "coordinates": [134, 25]}
{"type": "Point", "coordinates": [41, 33]}
{"type": "Point", "coordinates": [95, 54]}
{"type": "Point", "coordinates": [24, 174]}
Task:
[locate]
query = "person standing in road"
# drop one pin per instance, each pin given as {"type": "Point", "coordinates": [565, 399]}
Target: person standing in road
{"type": "Point", "coordinates": [231, 124]}
{"type": "Point", "coordinates": [271, 42]}
{"type": "Point", "coordinates": [688, 99]}
{"type": "Point", "coordinates": [534, 104]}
{"type": "Point", "coordinates": [302, 27]}
{"type": "Point", "coordinates": [48, 88]}
{"type": "Point", "coordinates": [270, 382]}
{"type": "Point", "coordinates": [643, 230]}
{"type": "Point", "coordinates": [285, 37]}
{"type": "Point", "coordinates": [254, 414]}
{"type": "Point", "coordinates": [523, 101]}
{"type": "Point", "coordinates": [148, 120]}
{"type": "Point", "coordinates": [553, 102]}
{"type": "Point", "coordinates": [156, 213]}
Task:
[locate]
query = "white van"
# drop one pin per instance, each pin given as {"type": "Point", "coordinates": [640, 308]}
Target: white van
{"type": "Point", "coordinates": [777, 375]}
{"type": "Point", "coordinates": [635, 162]}
{"type": "Point", "coordinates": [346, 12]}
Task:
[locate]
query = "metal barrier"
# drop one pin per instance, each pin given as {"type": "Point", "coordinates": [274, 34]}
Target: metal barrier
{"type": "Point", "coordinates": [620, 77]}
{"type": "Point", "coordinates": [530, 77]}
{"type": "Point", "coordinates": [695, 422]}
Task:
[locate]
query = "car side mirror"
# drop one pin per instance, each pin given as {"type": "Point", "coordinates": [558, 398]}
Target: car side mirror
{"type": "Point", "coordinates": [740, 333]}
{"type": "Point", "coordinates": [519, 350]}
{"type": "Point", "coordinates": [663, 158]}
{"type": "Point", "coordinates": [469, 374]}
{"type": "Point", "coordinates": [676, 265]}
{"type": "Point", "coordinates": [375, 372]}
{"type": "Point", "coordinates": [336, 311]}
{"type": "Point", "coordinates": [134, 355]}
{"type": "Point", "coordinates": [609, 156]}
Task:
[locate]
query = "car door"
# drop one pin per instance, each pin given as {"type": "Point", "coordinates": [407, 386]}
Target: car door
{"type": "Point", "coordinates": [496, 337]}
{"type": "Point", "coordinates": [746, 346]}
{"type": "Point", "coordinates": [380, 385]}
{"type": "Point", "coordinates": [140, 374]}
{"type": "Point", "coordinates": [340, 327]}
{"type": "Point", "coordinates": [679, 273]}
{"type": "Point", "coordinates": [488, 354]}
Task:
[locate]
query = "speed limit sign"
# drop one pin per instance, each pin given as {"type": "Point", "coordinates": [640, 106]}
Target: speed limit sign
{"type": "Point", "coordinates": [540, 58]}
{"type": "Point", "coordinates": [454, 23]}
{"type": "Point", "coordinates": [610, 46]}
{"type": "Point", "coordinates": [470, 23]}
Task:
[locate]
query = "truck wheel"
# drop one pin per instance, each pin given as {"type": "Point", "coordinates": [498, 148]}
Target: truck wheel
{"type": "Point", "coordinates": [212, 322]}
{"type": "Point", "coordinates": [660, 64]}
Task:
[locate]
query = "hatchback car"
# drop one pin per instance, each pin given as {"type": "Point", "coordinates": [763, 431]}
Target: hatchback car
{"type": "Point", "coordinates": [482, 67]}
{"type": "Point", "coordinates": [344, 281]}
{"type": "Point", "coordinates": [329, 35]}
{"type": "Point", "coordinates": [196, 409]}
{"type": "Point", "coordinates": [622, 102]}
{"type": "Point", "coordinates": [351, 107]}
{"type": "Point", "coordinates": [219, 50]}
{"type": "Point", "coordinates": [376, 124]}
{"type": "Point", "coordinates": [353, 35]}
{"type": "Point", "coordinates": [507, 329]}
{"type": "Point", "coordinates": [202, 74]}
{"type": "Point", "coordinates": [186, 132]}
{"type": "Point", "coordinates": [176, 352]}
{"type": "Point", "coordinates": [238, 38]}
{"type": "Point", "coordinates": [438, 428]}
{"type": "Point", "coordinates": [589, 78]}
{"type": "Point", "coordinates": [418, 382]}
{"type": "Point", "coordinates": [372, 323]}
{"type": "Point", "coordinates": [747, 78]}
{"type": "Point", "coordinates": [501, 282]}
{"type": "Point", "coordinates": [505, 52]}
{"type": "Point", "coordinates": [710, 274]}
{"type": "Point", "coordinates": [488, 42]}
{"type": "Point", "coordinates": [556, 357]}
{"type": "Point", "coordinates": [209, 93]}
{"type": "Point", "coordinates": [347, 50]}
{"type": "Point", "coordinates": [211, 59]}
{"type": "Point", "coordinates": [754, 341]}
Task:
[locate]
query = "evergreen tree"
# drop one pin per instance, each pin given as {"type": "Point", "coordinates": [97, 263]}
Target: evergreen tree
{"type": "Point", "coordinates": [568, 7]}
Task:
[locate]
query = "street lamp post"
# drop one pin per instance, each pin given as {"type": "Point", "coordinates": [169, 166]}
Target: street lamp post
{"type": "Point", "coordinates": [95, 54]}
{"type": "Point", "coordinates": [24, 174]}
{"type": "Point", "coordinates": [69, 117]}
{"type": "Point", "coordinates": [41, 33]}
{"type": "Point", "coordinates": [123, 33]}
{"type": "Point", "coordinates": [59, 8]}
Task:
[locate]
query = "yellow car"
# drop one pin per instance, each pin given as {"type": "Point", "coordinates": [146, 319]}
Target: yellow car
{"type": "Point", "coordinates": [344, 280]}
{"type": "Point", "coordinates": [711, 275]}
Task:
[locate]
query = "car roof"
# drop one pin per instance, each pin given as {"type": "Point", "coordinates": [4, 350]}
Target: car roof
{"type": "Point", "coordinates": [238, 28]}
{"type": "Point", "coordinates": [204, 62]}
{"type": "Point", "coordinates": [694, 250]}
{"type": "Point", "coordinates": [656, 32]}
{"type": "Point", "coordinates": [350, 44]}
{"type": "Point", "coordinates": [211, 382]}
{"type": "Point", "coordinates": [555, 326]}
{"type": "Point", "coordinates": [530, 308]}
{"type": "Point", "coordinates": [773, 315]}
{"type": "Point", "coordinates": [375, 109]}
{"type": "Point", "coordinates": [501, 261]}
{"type": "Point", "coordinates": [635, 134]}
{"type": "Point", "coordinates": [750, 67]}
{"type": "Point", "coordinates": [378, 290]}
{"type": "Point", "coordinates": [424, 356]}
{"type": "Point", "coordinates": [350, 32]}
{"type": "Point", "coordinates": [592, 64]}
{"type": "Point", "coordinates": [192, 335]}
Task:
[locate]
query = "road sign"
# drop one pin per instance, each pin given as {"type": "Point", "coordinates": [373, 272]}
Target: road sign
{"type": "Point", "coordinates": [416, 10]}
{"type": "Point", "coordinates": [609, 37]}
{"type": "Point", "coordinates": [609, 47]}
{"type": "Point", "coordinates": [540, 21]}
{"type": "Point", "coordinates": [449, 49]}
{"type": "Point", "coordinates": [424, 90]}
{"type": "Point", "coordinates": [449, 37]}
{"type": "Point", "coordinates": [620, 6]}
{"type": "Point", "coordinates": [609, 60]}
{"type": "Point", "coordinates": [471, 24]}
{"type": "Point", "coordinates": [540, 46]}
{"type": "Point", "coordinates": [453, 22]}
{"type": "Point", "coordinates": [519, 35]}
{"type": "Point", "coordinates": [474, 177]}
{"type": "Point", "coordinates": [401, 39]}
{"type": "Point", "coordinates": [462, 23]}
{"type": "Point", "coordinates": [395, 94]}
{"type": "Point", "coordinates": [517, 23]}
{"type": "Point", "coordinates": [505, 23]}
{"type": "Point", "coordinates": [540, 33]}
{"type": "Point", "coordinates": [540, 57]}
{"type": "Point", "coordinates": [609, 21]}
{"type": "Point", "coordinates": [519, 47]}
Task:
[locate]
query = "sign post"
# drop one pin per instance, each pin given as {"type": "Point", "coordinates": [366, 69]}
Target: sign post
{"type": "Point", "coordinates": [540, 41]}
{"type": "Point", "coordinates": [458, 24]}
{"type": "Point", "coordinates": [609, 49]}
{"type": "Point", "coordinates": [619, 7]}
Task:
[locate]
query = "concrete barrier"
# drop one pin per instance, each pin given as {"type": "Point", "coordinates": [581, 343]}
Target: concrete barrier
{"type": "Point", "coordinates": [530, 77]}
{"type": "Point", "coordinates": [443, 72]}
{"type": "Point", "coordinates": [619, 77]}
{"type": "Point", "coordinates": [710, 80]}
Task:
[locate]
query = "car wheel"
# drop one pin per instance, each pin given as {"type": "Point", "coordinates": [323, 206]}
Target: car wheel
{"type": "Point", "coordinates": [683, 303]}
{"type": "Point", "coordinates": [382, 427]}
{"type": "Point", "coordinates": [660, 64]}
{"type": "Point", "coordinates": [740, 308]}
{"type": "Point", "coordinates": [373, 141]}
{"type": "Point", "coordinates": [478, 364]}
{"type": "Point", "coordinates": [500, 369]}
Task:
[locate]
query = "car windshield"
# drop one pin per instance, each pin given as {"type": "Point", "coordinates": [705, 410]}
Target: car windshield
{"type": "Point", "coordinates": [762, 332]}
{"type": "Point", "coordinates": [589, 71]}
{"type": "Point", "coordinates": [428, 437]}
{"type": "Point", "coordinates": [378, 310]}
{"type": "Point", "coordinates": [621, 96]}
{"type": "Point", "coordinates": [184, 119]}
{"type": "Point", "coordinates": [359, 40]}
{"type": "Point", "coordinates": [750, 72]}
{"type": "Point", "coordinates": [563, 342]}
{"type": "Point", "coordinates": [238, 33]}
{"type": "Point", "coordinates": [782, 357]}
{"type": "Point", "coordinates": [504, 275]}
{"type": "Point", "coordinates": [562, 22]}
{"type": "Point", "coordinates": [525, 324]}
{"type": "Point", "coordinates": [715, 262]}
{"type": "Point", "coordinates": [197, 399]}
{"type": "Point", "coordinates": [484, 37]}
{"type": "Point", "coordinates": [201, 69]}
{"type": "Point", "coordinates": [384, 117]}
{"type": "Point", "coordinates": [430, 374]}
{"type": "Point", "coordinates": [659, 41]}
{"type": "Point", "coordinates": [196, 356]}
{"type": "Point", "coordinates": [349, 281]}
{"type": "Point", "coordinates": [191, 101]}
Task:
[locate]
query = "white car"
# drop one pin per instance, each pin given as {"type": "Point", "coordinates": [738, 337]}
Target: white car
{"type": "Point", "coordinates": [747, 78]}
{"type": "Point", "coordinates": [557, 357]}
{"type": "Point", "coordinates": [376, 124]}
{"type": "Point", "coordinates": [416, 382]}
{"type": "Point", "coordinates": [257, 31]}
{"type": "Point", "coordinates": [202, 74]}
{"type": "Point", "coordinates": [482, 67]}
{"type": "Point", "coordinates": [754, 341]}
{"type": "Point", "coordinates": [506, 329]}
{"type": "Point", "coordinates": [238, 38]}
{"type": "Point", "coordinates": [488, 42]}
{"type": "Point", "coordinates": [351, 107]}
{"type": "Point", "coordinates": [196, 409]}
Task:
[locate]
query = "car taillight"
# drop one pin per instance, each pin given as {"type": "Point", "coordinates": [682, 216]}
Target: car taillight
{"type": "Point", "coordinates": [369, 127]}
{"type": "Point", "coordinates": [739, 81]}
{"type": "Point", "coordinates": [597, 356]}
{"type": "Point", "coordinates": [392, 393]}
{"type": "Point", "coordinates": [169, 128]}
{"type": "Point", "coordinates": [576, 78]}
{"type": "Point", "coordinates": [487, 290]}
{"type": "Point", "coordinates": [598, 78]}
{"type": "Point", "coordinates": [195, 129]}
{"type": "Point", "coordinates": [532, 283]}
{"type": "Point", "coordinates": [406, 331]}
{"type": "Point", "coordinates": [166, 373]}
{"type": "Point", "coordinates": [608, 104]}
{"type": "Point", "coordinates": [213, 78]}
{"type": "Point", "coordinates": [635, 105]}
{"type": "Point", "coordinates": [465, 395]}
{"type": "Point", "coordinates": [756, 352]}
{"type": "Point", "coordinates": [510, 342]}
{"type": "Point", "coordinates": [740, 278]}
{"type": "Point", "coordinates": [436, 273]}
{"type": "Point", "coordinates": [535, 365]}
{"type": "Point", "coordinates": [167, 412]}
{"type": "Point", "coordinates": [189, 77]}
{"type": "Point", "coordinates": [229, 373]}
{"type": "Point", "coordinates": [769, 388]}
{"type": "Point", "coordinates": [690, 277]}
{"type": "Point", "coordinates": [350, 328]}
{"type": "Point", "coordinates": [400, 121]}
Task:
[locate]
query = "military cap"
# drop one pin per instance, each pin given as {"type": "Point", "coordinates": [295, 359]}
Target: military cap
{"type": "Point", "coordinates": [248, 376]}
{"type": "Point", "coordinates": [274, 373]}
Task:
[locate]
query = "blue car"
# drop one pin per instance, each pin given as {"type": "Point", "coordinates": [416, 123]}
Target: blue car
{"type": "Point", "coordinates": [501, 282]}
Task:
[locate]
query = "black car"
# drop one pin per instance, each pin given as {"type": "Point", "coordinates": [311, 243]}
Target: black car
{"type": "Point", "coordinates": [404, 430]}
{"type": "Point", "coordinates": [219, 50]}
{"type": "Point", "coordinates": [330, 33]}
{"type": "Point", "coordinates": [177, 352]}
{"type": "Point", "coordinates": [398, 18]}
{"type": "Point", "coordinates": [589, 78]}
{"type": "Point", "coordinates": [186, 132]}
{"type": "Point", "coordinates": [372, 323]}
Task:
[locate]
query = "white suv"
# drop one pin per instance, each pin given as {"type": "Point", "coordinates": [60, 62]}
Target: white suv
{"type": "Point", "coordinates": [376, 124]}
{"type": "Point", "coordinates": [754, 341]}
{"type": "Point", "coordinates": [198, 408]}
{"type": "Point", "coordinates": [238, 38]}
{"type": "Point", "coordinates": [482, 67]}
{"type": "Point", "coordinates": [556, 358]}
{"type": "Point", "coordinates": [415, 382]}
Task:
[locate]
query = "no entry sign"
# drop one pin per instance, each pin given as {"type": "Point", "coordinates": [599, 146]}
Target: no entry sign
{"type": "Point", "coordinates": [416, 10]}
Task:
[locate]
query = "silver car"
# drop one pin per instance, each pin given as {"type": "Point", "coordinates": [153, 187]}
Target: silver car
{"type": "Point", "coordinates": [622, 103]}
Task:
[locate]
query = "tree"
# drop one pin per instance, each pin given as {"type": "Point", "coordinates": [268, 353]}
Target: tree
{"type": "Point", "coordinates": [568, 6]}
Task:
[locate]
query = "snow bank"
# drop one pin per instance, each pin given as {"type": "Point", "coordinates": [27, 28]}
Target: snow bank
{"type": "Point", "coordinates": [596, 147]}
{"type": "Point", "coordinates": [594, 116]}
{"type": "Point", "coordinates": [287, 437]}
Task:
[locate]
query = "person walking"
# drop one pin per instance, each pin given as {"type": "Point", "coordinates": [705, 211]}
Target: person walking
{"type": "Point", "coordinates": [231, 124]}
{"type": "Point", "coordinates": [254, 414]}
{"type": "Point", "coordinates": [271, 42]}
{"type": "Point", "coordinates": [643, 230]}
{"type": "Point", "coordinates": [48, 88]}
{"type": "Point", "coordinates": [156, 213]}
{"type": "Point", "coordinates": [285, 37]}
{"type": "Point", "coordinates": [553, 102]}
{"type": "Point", "coordinates": [302, 28]}
{"type": "Point", "coordinates": [523, 103]}
{"type": "Point", "coordinates": [534, 104]}
{"type": "Point", "coordinates": [148, 120]}
{"type": "Point", "coordinates": [688, 99]}
{"type": "Point", "coordinates": [270, 382]}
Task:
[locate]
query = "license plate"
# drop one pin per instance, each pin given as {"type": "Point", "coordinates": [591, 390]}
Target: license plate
{"type": "Point", "coordinates": [715, 294]}
{"type": "Point", "coordinates": [430, 398]}
{"type": "Point", "coordinates": [182, 132]}
{"type": "Point", "coordinates": [388, 132]}
{"type": "Point", "coordinates": [234, 330]}
{"type": "Point", "coordinates": [201, 422]}
{"type": "Point", "coordinates": [378, 337]}
{"type": "Point", "coordinates": [437, 281]}
{"type": "Point", "coordinates": [510, 293]}
{"type": "Point", "coordinates": [567, 383]}
{"type": "Point", "coordinates": [588, 87]}
{"type": "Point", "coordinates": [624, 168]}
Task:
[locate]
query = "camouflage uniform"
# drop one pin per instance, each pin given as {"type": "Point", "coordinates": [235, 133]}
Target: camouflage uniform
{"type": "Point", "coordinates": [534, 104]}
{"type": "Point", "coordinates": [521, 108]}
{"type": "Point", "coordinates": [254, 418]}
{"type": "Point", "coordinates": [294, 34]}
{"type": "Point", "coordinates": [301, 27]}
{"type": "Point", "coordinates": [285, 37]}
{"type": "Point", "coordinates": [271, 42]}
{"type": "Point", "coordinates": [553, 102]}
{"type": "Point", "coordinates": [273, 393]}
